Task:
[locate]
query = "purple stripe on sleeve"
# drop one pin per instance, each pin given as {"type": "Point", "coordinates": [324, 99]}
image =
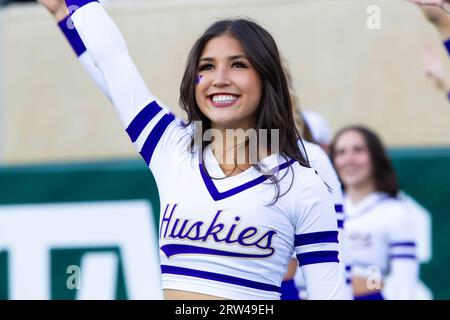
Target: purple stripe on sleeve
{"type": "Point", "coordinates": [316, 237]}
{"type": "Point", "coordinates": [317, 257]}
{"type": "Point", "coordinates": [72, 36]}
{"type": "Point", "coordinates": [138, 124]}
{"type": "Point", "coordinates": [154, 137]}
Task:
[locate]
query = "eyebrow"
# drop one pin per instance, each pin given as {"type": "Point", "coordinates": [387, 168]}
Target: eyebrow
{"type": "Point", "coordinates": [209, 59]}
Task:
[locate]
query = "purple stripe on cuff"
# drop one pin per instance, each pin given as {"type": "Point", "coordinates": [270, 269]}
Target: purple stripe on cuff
{"type": "Point", "coordinates": [339, 208]}
{"type": "Point", "coordinates": [74, 5]}
{"type": "Point", "coordinates": [138, 124]}
{"type": "Point", "coordinates": [219, 277]}
{"type": "Point", "coordinates": [402, 256]}
{"type": "Point", "coordinates": [340, 224]}
{"type": "Point", "coordinates": [317, 257]}
{"type": "Point", "coordinates": [154, 137]}
{"type": "Point", "coordinates": [71, 34]}
{"type": "Point", "coordinates": [403, 244]}
{"type": "Point", "coordinates": [315, 237]}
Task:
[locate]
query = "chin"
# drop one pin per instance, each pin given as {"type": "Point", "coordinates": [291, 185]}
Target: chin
{"type": "Point", "coordinates": [352, 182]}
{"type": "Point", "coordinates": [226, 123]}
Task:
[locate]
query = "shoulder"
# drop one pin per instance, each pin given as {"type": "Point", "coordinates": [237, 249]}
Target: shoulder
{"type": "Point", "coordinates": [392, 206]}
{"type": "Point", "coordinates": [313, 151]}
{"type": "Point", "coordinates": [312, 204]}
{"type": "Point", "coordinates": [307, 184]}
{"type": "Point", "coordinates": [394, 213]}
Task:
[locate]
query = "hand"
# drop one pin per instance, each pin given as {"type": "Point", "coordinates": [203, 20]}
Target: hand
{"type": "Point", "coordinates": [435, 70]}
{"type": "Point", "coordinates": [57, 8]}
{"type": "Point", "coordinates": [443, 4]}
{"type": "Point", "coordinates": [435, 15]}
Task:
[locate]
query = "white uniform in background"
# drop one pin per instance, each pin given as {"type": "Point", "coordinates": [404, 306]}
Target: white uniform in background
{"type": "Point", "coordinates": [319, 127]}
{"type": "Point", "coordinates": [217, 237]}
{"type": "Point", "coordinates": [380, 240]}
{"type": "Point", "coordinates": [421, 219]}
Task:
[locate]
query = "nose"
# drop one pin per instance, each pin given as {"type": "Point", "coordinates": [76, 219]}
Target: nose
{"type": "Point", "coordinates": [221, 78]}
{"type": "Point", "coordinates": [348, 157]}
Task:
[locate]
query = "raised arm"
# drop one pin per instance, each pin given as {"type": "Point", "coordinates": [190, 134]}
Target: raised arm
{"type": "Point", "coordinates": [109, 52]}
{"type": "Point", "coordinates": [59, 11]}
{"type": "Point", "coordinates": [151, 127]}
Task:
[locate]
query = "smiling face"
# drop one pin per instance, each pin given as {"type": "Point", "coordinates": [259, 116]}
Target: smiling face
{"type": "Point", "coordinates": [352, 159]}
{"type": "Point", "coordinates": [228, 90]}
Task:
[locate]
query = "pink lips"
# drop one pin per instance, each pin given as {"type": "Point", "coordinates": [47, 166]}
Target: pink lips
{"type": "Point", "coordinates": [222, 104]}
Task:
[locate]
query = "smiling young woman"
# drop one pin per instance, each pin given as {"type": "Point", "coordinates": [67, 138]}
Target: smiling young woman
{"type": "Point", "coordinates": [225, 233]}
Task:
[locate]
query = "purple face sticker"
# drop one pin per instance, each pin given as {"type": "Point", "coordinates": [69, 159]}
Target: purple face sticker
{"type": "Point", "coordinates": [198, 78]}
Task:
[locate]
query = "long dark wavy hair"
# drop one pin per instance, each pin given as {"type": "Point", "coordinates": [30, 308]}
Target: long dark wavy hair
{"type": "Point", "coordinates": [382, 170]}
{"type": "Point", "coordinates": [275, 109]}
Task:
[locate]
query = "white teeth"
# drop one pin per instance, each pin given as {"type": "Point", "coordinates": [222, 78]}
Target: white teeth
{"type": "Point", "coordinates": [223, 98]}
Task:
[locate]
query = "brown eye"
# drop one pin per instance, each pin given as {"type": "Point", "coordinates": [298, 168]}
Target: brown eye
{"type": "Point", "coordinates": [206, 66]}
{"type": "Point", "coordinates": [239, 64]}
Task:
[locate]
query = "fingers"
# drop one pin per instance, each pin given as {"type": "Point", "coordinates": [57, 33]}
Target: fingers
{"type": "Point", "coordinates": [443, 4]}
{"type": "Point", "coordinates": [434, 69]}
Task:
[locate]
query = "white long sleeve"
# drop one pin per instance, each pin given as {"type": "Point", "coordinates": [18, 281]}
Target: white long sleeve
{"type": "Point", "coordinates": [404, 265]}
{"type": "Point", "coordinates": [151, 127]}
{"type": "Point", "coordinates": [109, 52]}
{"type": "Point", "coordinates": [84, 57]}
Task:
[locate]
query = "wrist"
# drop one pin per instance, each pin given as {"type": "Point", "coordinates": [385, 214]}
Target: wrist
{"type": "Point", "coordinates": [61, 13]}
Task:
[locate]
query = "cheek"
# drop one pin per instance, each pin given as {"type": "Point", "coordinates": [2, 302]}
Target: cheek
{"type": "Point", "coordinates": [338, 163]}
{"type": "Point", "coordinates": [365, 164]}
{"type": "Point", "coordinates": [257, 88]}
{"type": "Point", "coordinates": [254, 89]}
{"type": "Point", "coordinates": [200, 93]}
{"type": "Point", "coordinates": [364, 161]}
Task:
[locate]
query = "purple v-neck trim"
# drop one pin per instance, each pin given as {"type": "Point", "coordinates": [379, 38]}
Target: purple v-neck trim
{"type": "Point", "coordinates": [216, 195]}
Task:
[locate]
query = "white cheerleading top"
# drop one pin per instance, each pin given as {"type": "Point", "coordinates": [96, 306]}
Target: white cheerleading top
{"type": "Point", "coordinates": [218, 235]}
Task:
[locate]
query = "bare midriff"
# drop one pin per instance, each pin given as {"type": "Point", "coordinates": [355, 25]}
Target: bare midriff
{"type": "Point", "coordinates": [171, 294]}
{"type": "Point", "coordinates": [360, 287]}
